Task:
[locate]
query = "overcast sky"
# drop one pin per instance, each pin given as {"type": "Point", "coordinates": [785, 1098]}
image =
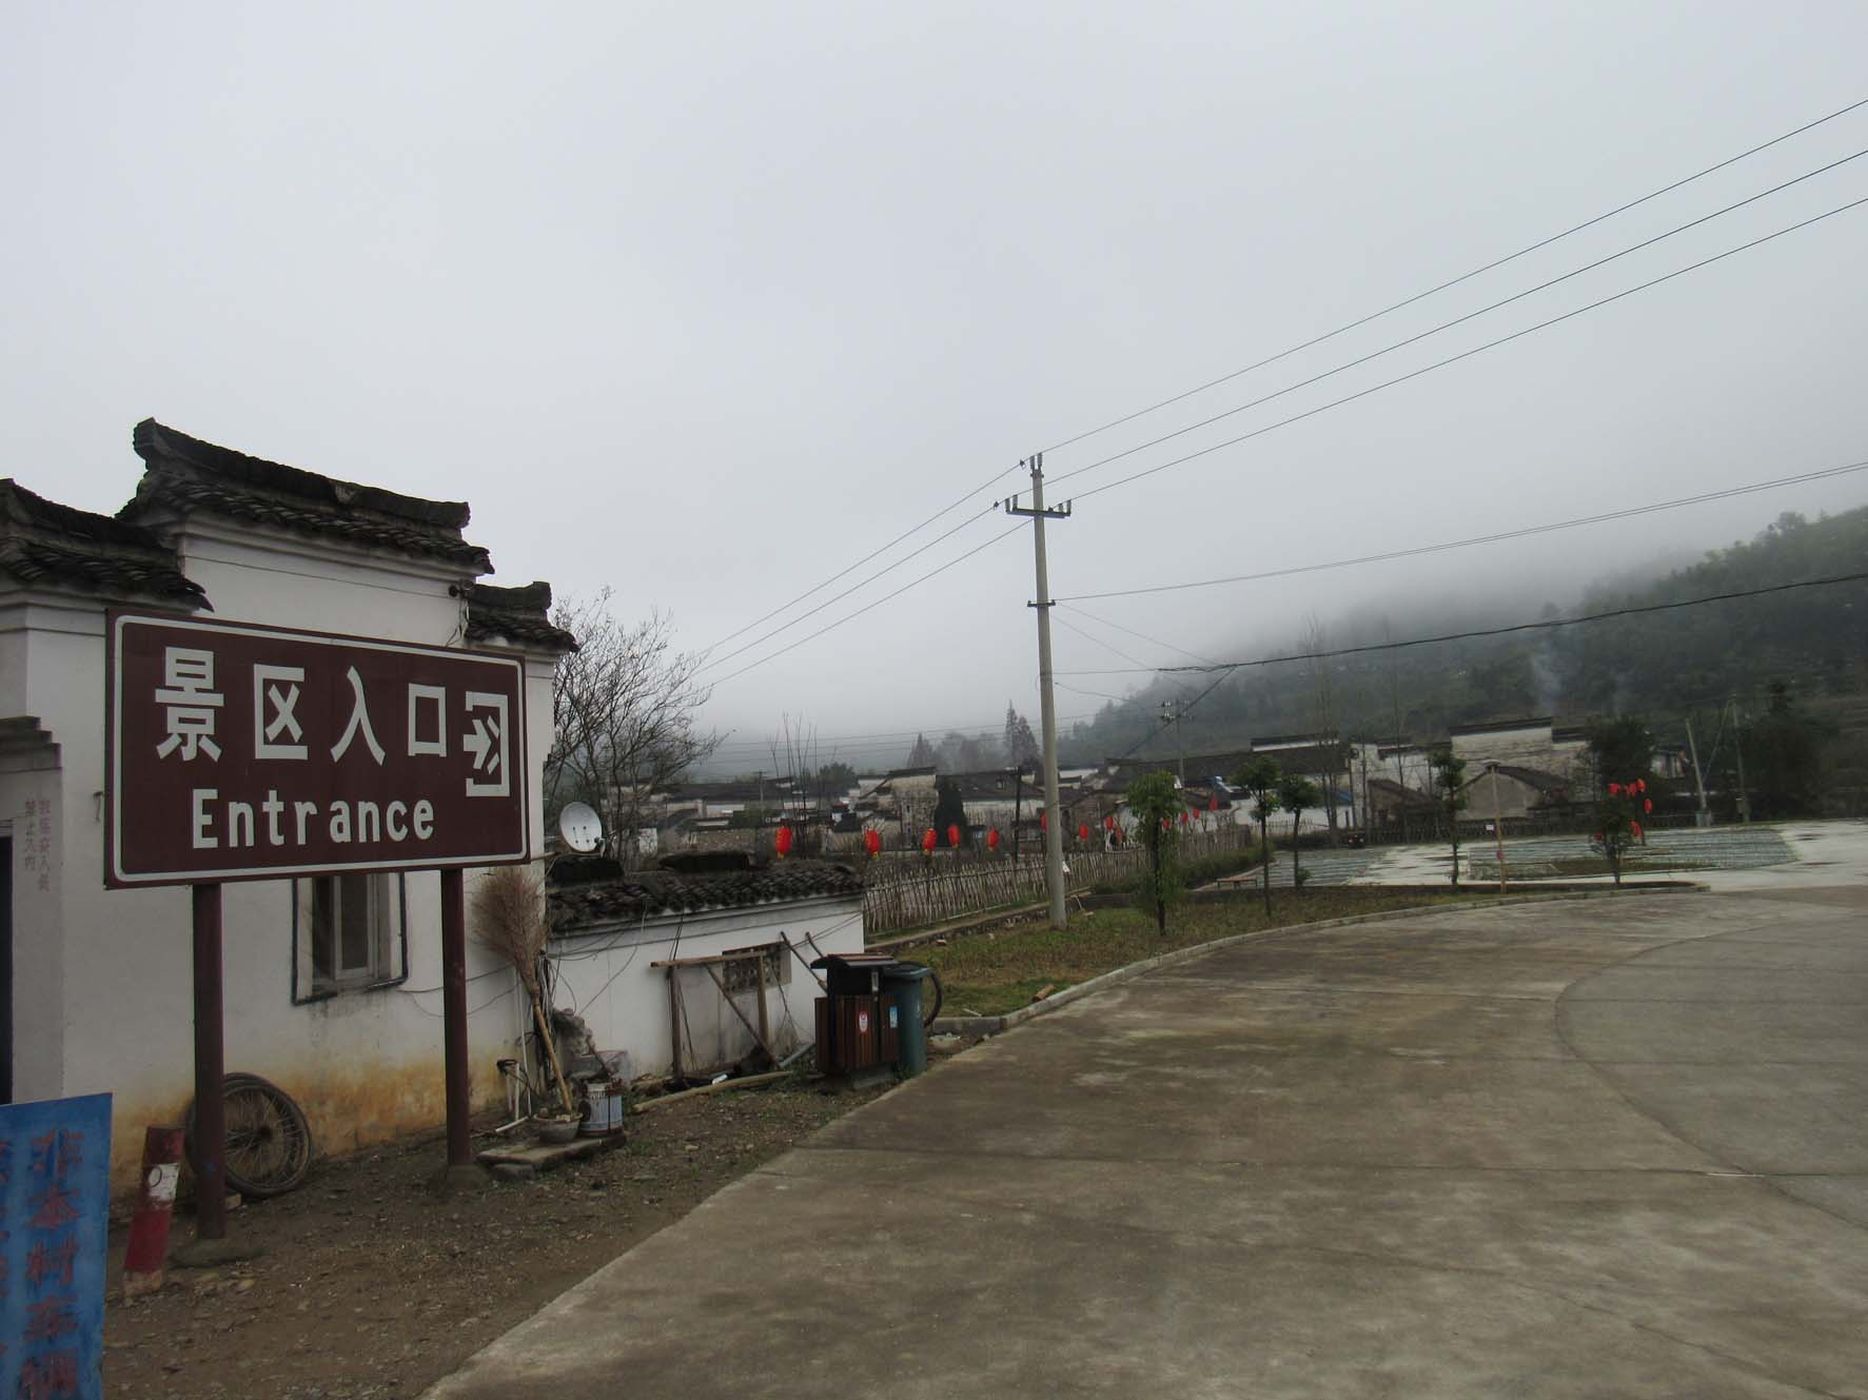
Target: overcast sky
{"type": "Point", "coordinates": [705, 302]}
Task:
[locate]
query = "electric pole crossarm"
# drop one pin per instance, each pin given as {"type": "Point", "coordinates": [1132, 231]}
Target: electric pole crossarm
{"type": "Point", "coordinates": [1047, 701]}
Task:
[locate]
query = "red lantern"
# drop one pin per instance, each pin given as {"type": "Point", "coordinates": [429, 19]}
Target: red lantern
{"type": "Point", "coordinates": [1044, 821]}
{"type": "Point", "coordinates": [1184, 817]}
{"type": "Point", "coordinates": [1640, 785]}
{"type": "Point", "coordinates": [1166, 825]}
{"type": "Point", "coordinates": [1109, 822]}
{"type": "Point", "coordinates": [782, 841]}
{"type": "Point", "coordinates": [1615, 789]}
{"type": "Point", "coordinates": [1083, 832]}
{"type": "Point", "coordinates": [992, 839]}
{"type": "Point", "coordinates": [1635, 827]}
{"type": "Point", "coordinates": [953, 835]}
{"type": "Point", "coordinates": [929, 840]}
{"type": "Point", "coordinates": [1212, 803]}
{"type": "Point", "coordinates": [1647, 806]}
{"type": "Point", "coordinates": [872, 842]}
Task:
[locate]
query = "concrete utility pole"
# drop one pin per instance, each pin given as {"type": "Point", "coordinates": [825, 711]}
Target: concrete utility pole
{"type": "Point", "coordinates": [1171, 713]}
{"type": "Point", "coordinates": [1702, 817]}
{"type": "Point", "coordinates": [1738, 751]}
{"type": "Point", "coordinates": [1047, 702]}
{"type": "Point", "coordinates": [1498, 827]}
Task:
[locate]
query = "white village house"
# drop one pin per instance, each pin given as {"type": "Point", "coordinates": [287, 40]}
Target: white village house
{"type": "Point", "coordinates": [332, 984]}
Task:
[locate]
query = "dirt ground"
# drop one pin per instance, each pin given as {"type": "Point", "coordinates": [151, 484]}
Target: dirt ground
{"type": "Point", "coordinates": [371, 1287]}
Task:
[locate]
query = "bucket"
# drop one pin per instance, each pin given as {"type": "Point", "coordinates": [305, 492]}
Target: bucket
{"type": "Point", "coordinates": [606, 1104]}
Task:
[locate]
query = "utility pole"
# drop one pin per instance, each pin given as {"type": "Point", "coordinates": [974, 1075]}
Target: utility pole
{"type": "Point", "coordinates": [1047, 702]}
{"type": "Point", "coordinates": [1702, 817]}
{"type": "Point", "coordinates": [1498, 827]}
{"type": "Point", "coordinates": [1738, 748]}
{"type": "Point", "coordinates": [1172, 712]}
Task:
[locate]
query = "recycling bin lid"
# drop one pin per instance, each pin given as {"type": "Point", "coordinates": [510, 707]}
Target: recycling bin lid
{"type": "Point", "coordinates": [907, 972]}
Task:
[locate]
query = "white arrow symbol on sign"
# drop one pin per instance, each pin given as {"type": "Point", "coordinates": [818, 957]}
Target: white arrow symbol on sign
{"type": "Point", "coordinates": [483, 744]}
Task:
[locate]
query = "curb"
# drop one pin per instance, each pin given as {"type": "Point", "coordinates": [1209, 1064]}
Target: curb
{"type": "Point", "coordinates": [979, 1027]}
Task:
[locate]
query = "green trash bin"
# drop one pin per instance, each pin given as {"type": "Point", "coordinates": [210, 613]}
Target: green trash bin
{"type": "Point", "coordinates": [903, 980]}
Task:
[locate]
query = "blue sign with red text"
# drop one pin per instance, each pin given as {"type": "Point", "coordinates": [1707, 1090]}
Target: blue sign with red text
{"type": "Point", "coordinates": [55, 1186]}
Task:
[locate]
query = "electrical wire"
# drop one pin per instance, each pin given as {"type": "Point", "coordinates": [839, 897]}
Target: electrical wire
{"type": "Point", "coordinates": [1292, 350]}
{"type": "Point", "coordinates": [886, 597]}
{"type": "Point", "coordinates": [1143, 636]}
{"type": "Point", "coordinates": [1226, 671]}
{"type": "Point", "coordinates": [1387, 556]}
{"type": "Point", "coordinates": [853, 588]}
{"type": "Point", "coordinates": [1448, 325]}
{"type": "Point", "coordinates": [1456, 281]}
{"type": "Point", "coordinates": [1543, 624]}
{"type": "Point", "coordinates": [1106, 646]}
{"type": "Point", "coordinates": [1475, 350]}
{"type": "Point", "coordinates": [1312, 413]}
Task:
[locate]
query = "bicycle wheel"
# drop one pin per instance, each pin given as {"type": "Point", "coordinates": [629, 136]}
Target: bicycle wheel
{"type": "Point", "coordinates": [268, 1141]}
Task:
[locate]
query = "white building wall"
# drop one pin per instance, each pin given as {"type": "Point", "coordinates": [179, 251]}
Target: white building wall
{"type": "Point", "coordinates": [608, 976]}
{"type": "Point", "coordinates": [103, 978]}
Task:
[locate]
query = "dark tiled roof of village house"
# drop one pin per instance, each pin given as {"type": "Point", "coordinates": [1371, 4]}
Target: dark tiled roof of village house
{"type": "Point", "coordinates": [44, 543]}
{"type": "Point", "coordinates": [647, 893]}
{"type": "Point", "coordinates": [521, 615]}
{"type": "Point", "coordinates": [1533, 777]}
{"type": "Point", "coordinates": [1500, 726]}
{"type": "Point", "coordinates": [184, 474]}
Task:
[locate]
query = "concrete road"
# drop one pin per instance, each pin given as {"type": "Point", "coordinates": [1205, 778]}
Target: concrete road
{"type": "Point", "coordinates": [1607, 1148]}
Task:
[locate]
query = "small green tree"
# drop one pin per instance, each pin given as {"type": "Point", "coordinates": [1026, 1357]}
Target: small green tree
{"type": "Point", "coordinates": [1449, 781]}
{"type": "Point", "coordinates": [1156, 803]}
{"type": "Point", "coordinates": [1621, 749]}
{"type": "Point", "coordinates": [1620, 811]}
{"type": "Point", "coordinates": [1259, 776]}
{"type": "Point", "coordinates": [1295, 794]}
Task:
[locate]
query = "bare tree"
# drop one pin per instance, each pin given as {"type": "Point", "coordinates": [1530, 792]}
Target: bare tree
{"type": "Point", "coordinates": [623, 717]}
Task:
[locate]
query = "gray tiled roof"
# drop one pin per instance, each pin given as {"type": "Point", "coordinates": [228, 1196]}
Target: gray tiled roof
{"type": "Point", "coordinates": [184, 475]}
{"type": "Point", "coordinates": [640, 894]}
{"type": "Point", "coordinates": [521, 615]}
{"type": "Point", "coordinates": [44, 543]}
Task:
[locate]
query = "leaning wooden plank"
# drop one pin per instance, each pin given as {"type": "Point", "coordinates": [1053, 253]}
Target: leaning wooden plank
{"type": "Point", "coordinates": [750, 1081]}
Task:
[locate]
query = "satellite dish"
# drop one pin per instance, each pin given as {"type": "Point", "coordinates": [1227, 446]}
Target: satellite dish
{"type": "Point", "coordinates": [581, 827]}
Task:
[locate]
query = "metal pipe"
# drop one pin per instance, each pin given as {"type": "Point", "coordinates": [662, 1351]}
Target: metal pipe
{"type": "Point", "coordinates": [454, 1014]}
{"type": "Point", "coordinates": [210, 1144]}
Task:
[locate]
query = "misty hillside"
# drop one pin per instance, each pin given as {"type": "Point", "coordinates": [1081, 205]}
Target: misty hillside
{"type": "Point", "coordinates": [1660, 665]}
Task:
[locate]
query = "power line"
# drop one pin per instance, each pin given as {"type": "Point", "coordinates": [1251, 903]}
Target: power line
{"type": "Point", "coordinates": [879, 550]}
{"type": "Point", "coordinates": [1143, 636]}
{"type": "Point", "coordinates": [853, 588]}
{"type": "Point", "coordinates": [1106, 646]}
{"type": "Point", "coordinates": [1496, 537]}
{"type": "Point", "coordinates": [1543, 624]}
{"type": "Point", "coordinates": [1454, 282]}
{"type": "Point", "coordinates": [850, 617]}
{"type": "Point", "coordinates": [1456, 321]}
{"type": "Point", "coordinates": [1324, 408]}
{"type": "Point", "coordinates": [981, 727]}
{"type": "Point", "coordinates": [1226, 669]}
{"type": "Point", "coordinates": [1448, 326]}
{"type": "Point", "coordinates": [1475, 350]}
{"type": "Point", "coordinates": [1292, 350]}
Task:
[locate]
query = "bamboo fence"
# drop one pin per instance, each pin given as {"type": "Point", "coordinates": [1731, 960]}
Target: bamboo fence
{"type": "Point", "coordinates": [905, 892]}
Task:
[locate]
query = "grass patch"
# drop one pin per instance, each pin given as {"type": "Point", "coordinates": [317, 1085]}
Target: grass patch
{"type": "Point", "coordinates": [996, 971]}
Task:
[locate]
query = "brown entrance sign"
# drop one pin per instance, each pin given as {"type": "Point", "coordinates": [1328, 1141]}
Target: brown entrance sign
{"type": "Point", "coordinates": [244, 752]}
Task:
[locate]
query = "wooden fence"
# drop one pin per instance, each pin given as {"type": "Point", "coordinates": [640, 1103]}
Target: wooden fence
{"type": "Point", "coordinates": [905, 892]}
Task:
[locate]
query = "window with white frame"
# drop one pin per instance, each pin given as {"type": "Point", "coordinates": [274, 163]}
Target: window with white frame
{"type": "Point", "coordinates": [348, 930]}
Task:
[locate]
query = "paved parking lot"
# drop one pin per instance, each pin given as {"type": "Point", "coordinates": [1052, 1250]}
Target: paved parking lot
{"type": "Point", "coordinates": [1613, 1147]}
